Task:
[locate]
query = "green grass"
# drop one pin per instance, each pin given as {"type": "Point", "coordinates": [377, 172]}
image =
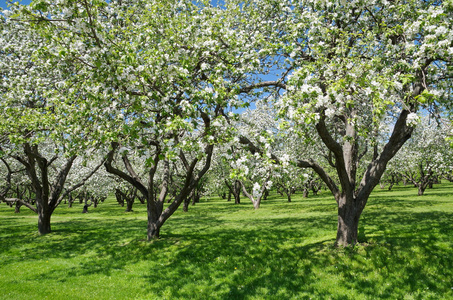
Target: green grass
{"type": "Point", "coordinates": [219, 250]}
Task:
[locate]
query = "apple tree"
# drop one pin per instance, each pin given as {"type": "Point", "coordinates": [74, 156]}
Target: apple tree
{"type": "Point", "coordinates": [148, 76]}
{"type": "Point", "coordinates": [344, 67]}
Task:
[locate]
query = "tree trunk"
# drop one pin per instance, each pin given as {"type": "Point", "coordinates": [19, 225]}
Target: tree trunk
{"type": "Point", "coordinates": [305, 193]}
{"type": "Point", "coordinates": [289, 196]}
{"type": "Point", "coordinates": [185, 206]}
{"type": "Point", "coordinates": [17, 207]}
{"type": "Point", "coordinates": [195, 198]}
{"type": "Point", "coordinates": [153, 231]}
{"type": "Point", "coordinates": [129, 203]}
{"type": "Point", "coordinates": [390, 186]}
{"type": "Point", "coordinates": [348, 221]}
{"type": "Point", "coordinates": [256, 203]}
{"type": "Point", "coordinates": [119, 197]}
{"type": "Point", "coordinates": [237, 198]}
{"type": "Point", "coordinates": [315, 192]}
{"type": "Point", "coordinates": [153, 220]}
{"type": "Point", "coordinates": [130, 199]}
{"type": "Point", "coordinates": [44, 221]}
{"type": "Point", "coordinates": [421, 188]}
{"type": "Point", "coordinates": [237, 192]}
{"type": "Point", "coordinates": [70, 201]}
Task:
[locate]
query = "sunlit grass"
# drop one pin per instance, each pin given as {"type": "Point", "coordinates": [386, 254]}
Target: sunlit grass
{"type": "Point", "coordinates": [219, 250]}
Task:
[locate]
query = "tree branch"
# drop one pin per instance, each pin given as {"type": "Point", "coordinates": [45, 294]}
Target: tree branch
{"type": "Point", "coordinates": [60, 179]}
{"type": "Point", "coordinates": [262, 84]}
{"type": "Point", "coordinates": [322, 174]}
{"type": "Point", "coordinates": [80, 183]}
{"type": "Point", "coordinates": [24, 203]}
{"type": "Point", "coordinates": [111, 169]}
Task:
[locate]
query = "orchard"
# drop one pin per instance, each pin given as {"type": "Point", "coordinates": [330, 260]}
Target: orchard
{"type": "Point", "coordinates": [179, 99]}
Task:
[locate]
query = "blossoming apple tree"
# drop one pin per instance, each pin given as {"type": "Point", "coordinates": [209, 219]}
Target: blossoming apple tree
{"type": "Point", "coordinates": [426, 156]}
{"type": "Point", "coordinates": [34, 130]}
{"type": "Point", "coordinates": [347, 65]}
{"type": "Point", "coordinates": [148, 76]}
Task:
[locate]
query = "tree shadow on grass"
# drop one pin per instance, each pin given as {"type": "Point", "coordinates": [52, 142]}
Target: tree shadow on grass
{"type": "Point", "coordinates": [235, 265]}
{"type": "Point", "coordinates": [415, 249]}
{"type": "Point", "coordinates": [264, 257]}
{"type": "Point", "coordinates": [241, 264]}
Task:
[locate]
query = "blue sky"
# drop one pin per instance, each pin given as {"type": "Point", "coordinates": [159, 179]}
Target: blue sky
{"type": "Point", "coordinates": [3, 3]}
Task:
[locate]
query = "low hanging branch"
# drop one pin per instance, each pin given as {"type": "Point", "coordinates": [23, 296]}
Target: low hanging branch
{"type": "Point", "coordinates": [300, 163]}
{"type": "Point", "coordinates": [12, 201]}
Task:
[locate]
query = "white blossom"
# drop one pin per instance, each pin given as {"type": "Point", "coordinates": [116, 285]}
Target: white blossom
{"type": "Point", "coordinates": [412, 119]}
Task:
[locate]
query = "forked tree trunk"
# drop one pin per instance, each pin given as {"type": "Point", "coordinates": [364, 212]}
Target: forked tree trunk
{"type": "Point", "coordinates": [235, 190]}
{"type": "Point", "coordinates": [421, 188]}
{"type": "Point", "coordinates": [256, 203]}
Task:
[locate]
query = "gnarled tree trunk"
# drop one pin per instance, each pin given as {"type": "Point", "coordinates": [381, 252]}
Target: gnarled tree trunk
{"type": "Point", "coordinates": [153, 212]}
{"type": "Point", "coordinates": [44, 215]}
{"type": "Point", "coordinates": [349, 211]}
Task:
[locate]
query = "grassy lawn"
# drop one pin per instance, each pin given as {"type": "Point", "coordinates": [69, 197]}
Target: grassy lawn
{"type": "Point", "coordinates": [219, 250]}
